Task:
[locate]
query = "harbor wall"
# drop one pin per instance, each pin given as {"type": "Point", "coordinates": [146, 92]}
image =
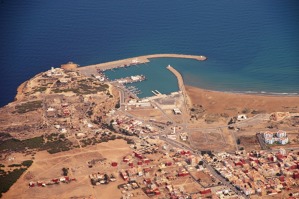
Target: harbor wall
{"type": "Point", "coordinates": [91, 69]}
{"type": "Point", "coordinates": [181, 85]}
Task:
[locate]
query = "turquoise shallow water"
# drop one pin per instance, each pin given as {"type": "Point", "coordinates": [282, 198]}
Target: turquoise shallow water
{"type": "Point", "coordinates": [202, 74]}
{"type": "Point", "coordinates": [251, 45]}
{"type": "Point", "coordinates": [158, 77]}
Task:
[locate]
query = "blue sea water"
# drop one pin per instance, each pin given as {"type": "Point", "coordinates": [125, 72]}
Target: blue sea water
{"type": "Point", "coordinates": [250, 45]}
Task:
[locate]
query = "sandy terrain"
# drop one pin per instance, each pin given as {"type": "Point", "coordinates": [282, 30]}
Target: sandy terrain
{"type": "Point", "coordinates": [46, 167]}
{"type": "Point", "coordinates": [144, 113]}
{"type": "Point", "coordinates": [212, 139]}
{"type": "Point", "coordinates": [232, 104]}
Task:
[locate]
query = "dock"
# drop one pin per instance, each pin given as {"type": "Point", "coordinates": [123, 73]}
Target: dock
{"type": "Point", "coordinates": [158, 92]}
{"type": "Point", "coordinates": [155, 93]}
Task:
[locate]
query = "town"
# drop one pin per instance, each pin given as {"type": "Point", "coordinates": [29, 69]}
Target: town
{"type": "Point", "coordinates": [86, 132]}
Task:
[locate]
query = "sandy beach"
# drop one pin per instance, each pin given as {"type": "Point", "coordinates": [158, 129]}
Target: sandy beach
{"type": "Point", "coordinates": [214, 102]}
{"type": "Point", "coordinates": [232, 103]}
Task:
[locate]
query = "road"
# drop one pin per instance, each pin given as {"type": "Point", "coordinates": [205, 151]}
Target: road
{"type": "Point", "coordinates": [223, 180]}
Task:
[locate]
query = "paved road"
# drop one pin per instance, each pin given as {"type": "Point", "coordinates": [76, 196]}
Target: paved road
{"type": "Point", "coordinates": [165, 114]}
{"type": "Point", "coordinates": [223, 180]}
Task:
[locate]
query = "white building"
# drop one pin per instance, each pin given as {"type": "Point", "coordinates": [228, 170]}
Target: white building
{"type": "Point", "coordinates": [280, 137]}
{"type": "Point", "coordinates": [173, 137]}
{"type": "Point", "coordinates": [268, 135]}
{"type": "Point", "coordinates": [269, 140]}
{"type": "Point", "coordinates": [177, 111]}
{"type": "Point", "coordinates": [283, 140]}
{"type": "Point", "coordinates": [281, 134]}
{"type": "Point", "coordinates": [241, 117]}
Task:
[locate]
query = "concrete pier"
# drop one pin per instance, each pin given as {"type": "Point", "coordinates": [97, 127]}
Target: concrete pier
{"type": "Point", "coordinates": [93, 69]}
{"type": "Point", "coordinates": [181, 84]}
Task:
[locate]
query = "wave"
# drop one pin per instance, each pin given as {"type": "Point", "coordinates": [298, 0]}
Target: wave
{"type": "Point", "coordinates": [265, 93]}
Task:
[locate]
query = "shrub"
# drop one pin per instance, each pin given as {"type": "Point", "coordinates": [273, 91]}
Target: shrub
{"type": "Point", "coordinates": [27, 163]}
{"type": "Point", "coordinates": [28, 106]}
{"type": "Point", "coordinates": [8, 179]}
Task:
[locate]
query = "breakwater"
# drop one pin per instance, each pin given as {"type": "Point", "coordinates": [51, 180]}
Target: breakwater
{"type": "Point", "coordinates": [93, 69]}
{"type": "Point", "coordinates": [181, 85]}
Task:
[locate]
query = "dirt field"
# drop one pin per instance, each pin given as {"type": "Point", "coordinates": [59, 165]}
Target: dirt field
{"type": "Point", "coordinates": [249, 143]}
{"type": "Point", "coordinates": [47, 167]}
{"type": "Point", "coordinates": [219, 102]}
{"type": "Point", "coordinates": [205, 179]}
{"type": "Point", "coordinates": [213, 139]}
{"type": "Point", "coordinates": [146, 113]}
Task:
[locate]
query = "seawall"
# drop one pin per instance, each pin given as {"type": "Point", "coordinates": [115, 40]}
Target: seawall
{"type": "Point", "coordinates": [181, 85]}
{"type": "Point", "coordinates": [92, 69]}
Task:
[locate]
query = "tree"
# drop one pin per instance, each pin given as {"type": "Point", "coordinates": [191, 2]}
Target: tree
{"type": "Point", "coordinates": [65, 171]}
{"type": "Point", "coordinates": [238, 141]}
{"type": "Point", "coordinates": [200, 163]}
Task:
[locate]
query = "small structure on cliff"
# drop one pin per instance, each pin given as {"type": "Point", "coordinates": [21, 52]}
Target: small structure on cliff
{"type": "Point", "coordinates": [69, 66]}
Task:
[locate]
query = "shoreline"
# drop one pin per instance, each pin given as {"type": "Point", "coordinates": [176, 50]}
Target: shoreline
{"type": "Point", "coordinates": [230, 103]}
{"type": "Point", "coordinates": [181, 84]}
{"type": "Point", "coordinates": [93, 69]}
{"type": "Point", "coordinates": [252, 93]}
{"type": "Point", "coordinates": [217, 102]}
{"type": "Point", "coordinates": [182, 87]}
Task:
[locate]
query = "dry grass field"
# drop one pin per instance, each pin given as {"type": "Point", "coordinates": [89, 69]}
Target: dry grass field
{"type": "Point", "coordinates": [47, 167]}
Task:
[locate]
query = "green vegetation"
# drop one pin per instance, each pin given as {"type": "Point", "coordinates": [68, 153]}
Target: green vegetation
{"type": "Point", "coordinates": [87, 89]}
{"type": "Point", "coordinates": [55, 143]}
{"type": "Point", "coordinates": [117, 105]}
{"type": "Point", "coordinates": [103, 138]}
{"type": "Point", "coordinates": [83, 88]}
{"type": "Point", "coordinates": [129, 141]}
{"type": "Point", "coordinates": [20, 145]}
{"type": "Point", "coordinates": [57, 146]}
{"type": "Point", "coordinates": [89, 112]}
{"type": "Point", "coordinates": [40, 89]}
{"type": "Point", "coordinates": [4, 136]}
{"type": "Point", "coordinates": [7, 179]}
{"type": "Point", "coordinates": [65, 90]}
{"type": "Point", "coordinates": [65, 171]}
{"type": "Point", "coordinates": [15, 165]}
{"type": "Point", "coordinates": [28, 106]}
{"type": "Point", "coordinates": [88, 141]}
{"type": "Point", "coordinates": [238, 141]}
{"type": "Point", "coordinates": [52, 136]}
{"type": "Point", "coordinates": [27, 163]}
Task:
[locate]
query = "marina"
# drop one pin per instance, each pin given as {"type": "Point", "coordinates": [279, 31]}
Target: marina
{"type": "Point", "coordinates": [121, 72]}
{"type": "Point", "coordinates": [134, 90]}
